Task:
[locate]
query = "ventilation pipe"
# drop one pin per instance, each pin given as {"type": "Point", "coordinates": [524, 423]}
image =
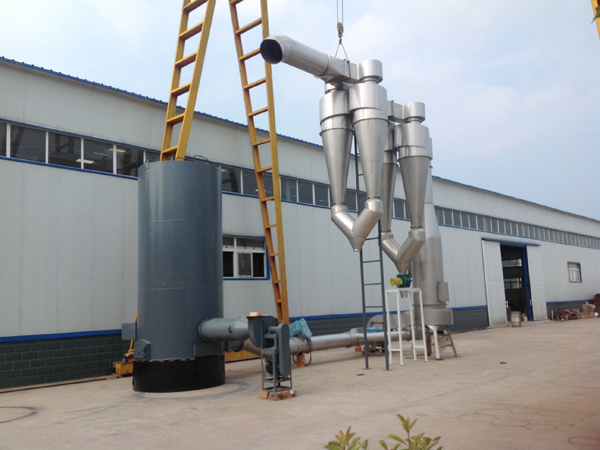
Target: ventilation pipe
{"type": "Point", "coordinates": [276, 49]}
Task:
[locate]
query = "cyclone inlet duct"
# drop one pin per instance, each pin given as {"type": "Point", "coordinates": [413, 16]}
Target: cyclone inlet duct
{"type": "Point", "coordinates": [180, 277]}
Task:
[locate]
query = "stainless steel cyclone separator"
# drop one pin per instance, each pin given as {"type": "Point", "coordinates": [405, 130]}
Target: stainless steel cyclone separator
{"type": "Point", "coordinates": [387, 134]}
{"type": "Point", "coordinates": [354, 103]}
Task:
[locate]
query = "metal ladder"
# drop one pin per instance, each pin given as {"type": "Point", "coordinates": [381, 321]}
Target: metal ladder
{"type": "Point", "coordinates": [372, 283]}
{"type": "Point", "coordinates": [182, 60]}
{"type": "Point", "coordinates": [270, 205]}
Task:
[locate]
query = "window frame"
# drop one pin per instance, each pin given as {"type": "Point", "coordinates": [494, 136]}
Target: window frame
{"type": "Point", "coordinates": [574, 268]}
{"type": "Point", "coordinates": [237, 250]}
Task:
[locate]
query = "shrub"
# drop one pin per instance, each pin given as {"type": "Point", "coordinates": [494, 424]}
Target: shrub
{"type": "Point", "coordinates": [348, 441]}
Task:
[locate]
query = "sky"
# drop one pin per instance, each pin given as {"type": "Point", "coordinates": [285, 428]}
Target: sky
{"type": "Point", "coordinates": [511, 87]}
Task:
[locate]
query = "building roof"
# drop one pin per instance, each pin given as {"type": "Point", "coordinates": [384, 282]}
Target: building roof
{"type": "Point", "coordinates": [202, 114]}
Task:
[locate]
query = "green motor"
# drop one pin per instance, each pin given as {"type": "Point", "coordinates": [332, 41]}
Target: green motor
{"type": "Point", "coordinates": [402, 280]}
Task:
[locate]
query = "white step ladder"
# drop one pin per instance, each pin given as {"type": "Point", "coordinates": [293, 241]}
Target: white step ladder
{"type": "Point", "coordinates": [402, 294]}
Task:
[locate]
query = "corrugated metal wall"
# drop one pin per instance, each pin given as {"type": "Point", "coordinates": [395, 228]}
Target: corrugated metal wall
{"type": "Point", "coordinates": [68, 255]}
{"type": "Point", "coordinates": [68, 238]}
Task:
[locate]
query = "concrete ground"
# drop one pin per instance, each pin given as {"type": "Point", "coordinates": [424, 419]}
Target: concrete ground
{"type": "Point", "coordinates": [534, 387]}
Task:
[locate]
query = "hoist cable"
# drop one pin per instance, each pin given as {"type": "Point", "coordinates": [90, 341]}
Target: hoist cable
{"type": "Point", "coordinates": [340, 28]}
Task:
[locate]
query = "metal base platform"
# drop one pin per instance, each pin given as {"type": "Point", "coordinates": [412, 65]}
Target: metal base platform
{"type": "Point", "coordinates": [179, 375]}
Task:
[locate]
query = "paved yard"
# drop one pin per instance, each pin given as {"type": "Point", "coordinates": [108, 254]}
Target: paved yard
{"type": "Point", "coordinates": [534, 387]}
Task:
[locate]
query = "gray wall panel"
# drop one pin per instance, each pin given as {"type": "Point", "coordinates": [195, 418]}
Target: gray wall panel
{"type": "Point", "coordinates": [38, 247]}
{"type": "Point", "coordinates": [65, 236]}
{"type": "Point", "coordinates": [11, 228]}
{"type": "Point", "coordinates": [68, 244]}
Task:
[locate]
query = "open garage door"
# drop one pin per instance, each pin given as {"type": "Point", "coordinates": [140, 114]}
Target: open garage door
{"type": "Point", "coordinates": [536, 283]}
{"type": "Point", "coordinates": [494, 283]}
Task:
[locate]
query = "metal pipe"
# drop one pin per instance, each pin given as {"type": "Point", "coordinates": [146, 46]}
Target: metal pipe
{"type": "Point", "coordinates": [276, 49]}
{"type": "Point", "coordinates": [428, 268]}
{"type": "Point", "coordinates": [340, 340]}
{"type": "Point", "coordinates": [403, 255]}
{"type": "Point", "coordinates": [212, 330]}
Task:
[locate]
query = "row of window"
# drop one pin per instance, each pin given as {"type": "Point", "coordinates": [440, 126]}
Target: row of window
{"type": "Point", "coordinates": [33, 144]}
{"type": "Point", "coordinates": [245, 257]}
{"type": "Point", "coordinates": [462, 219]}
{"type": "Point", "coordinates": [72, 151]}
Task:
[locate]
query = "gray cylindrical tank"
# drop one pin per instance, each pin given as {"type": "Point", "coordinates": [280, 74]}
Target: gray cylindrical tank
{"type": "Point", "coordinates": [180, 281]}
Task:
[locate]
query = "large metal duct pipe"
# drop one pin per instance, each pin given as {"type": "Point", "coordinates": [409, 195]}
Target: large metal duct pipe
{"type": "Point", "coordinates": [224, 330]}
{"type": "Point", "coordinates": [180, 282]}
{"type": "Point", "coordinates": [240, 329]}
{"type": "Point", "coordinates": [329, 341]}
{"type": "Point", "coordinates": [340, 340]}
{"type": "Point", "coordinates": [276, 49]}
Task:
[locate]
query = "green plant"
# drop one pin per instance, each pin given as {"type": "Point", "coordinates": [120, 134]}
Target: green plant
{"type": "Point", "coordinates": [348, 441]}
{"type": "Point", "coordinates": [345, 442]}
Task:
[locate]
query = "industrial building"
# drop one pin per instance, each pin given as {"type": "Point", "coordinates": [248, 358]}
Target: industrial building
{"type": "Point", "coordinates": [70, 150]}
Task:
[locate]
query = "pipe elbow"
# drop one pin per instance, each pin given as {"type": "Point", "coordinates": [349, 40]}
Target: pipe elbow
{"type": "Point", "coordinates": [357, 230]}
{"type": "Point", "coordinates": [403, 255]}
{"type": "Point", "coordinates": [368, 217]}
{"type": "Point", "coordinates": [342, 219]}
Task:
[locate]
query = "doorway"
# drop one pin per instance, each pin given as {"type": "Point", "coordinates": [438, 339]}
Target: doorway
{"type": "Point", "coordinates": [515, 280]}
{"type": "Point", "coordinates": [514, 276]}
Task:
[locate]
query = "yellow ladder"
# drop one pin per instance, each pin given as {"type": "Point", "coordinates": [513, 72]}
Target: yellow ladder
{"type": "Point", "coordinates": [269, 205]}
{"type": "Point", "coordinates": [182, 60]}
